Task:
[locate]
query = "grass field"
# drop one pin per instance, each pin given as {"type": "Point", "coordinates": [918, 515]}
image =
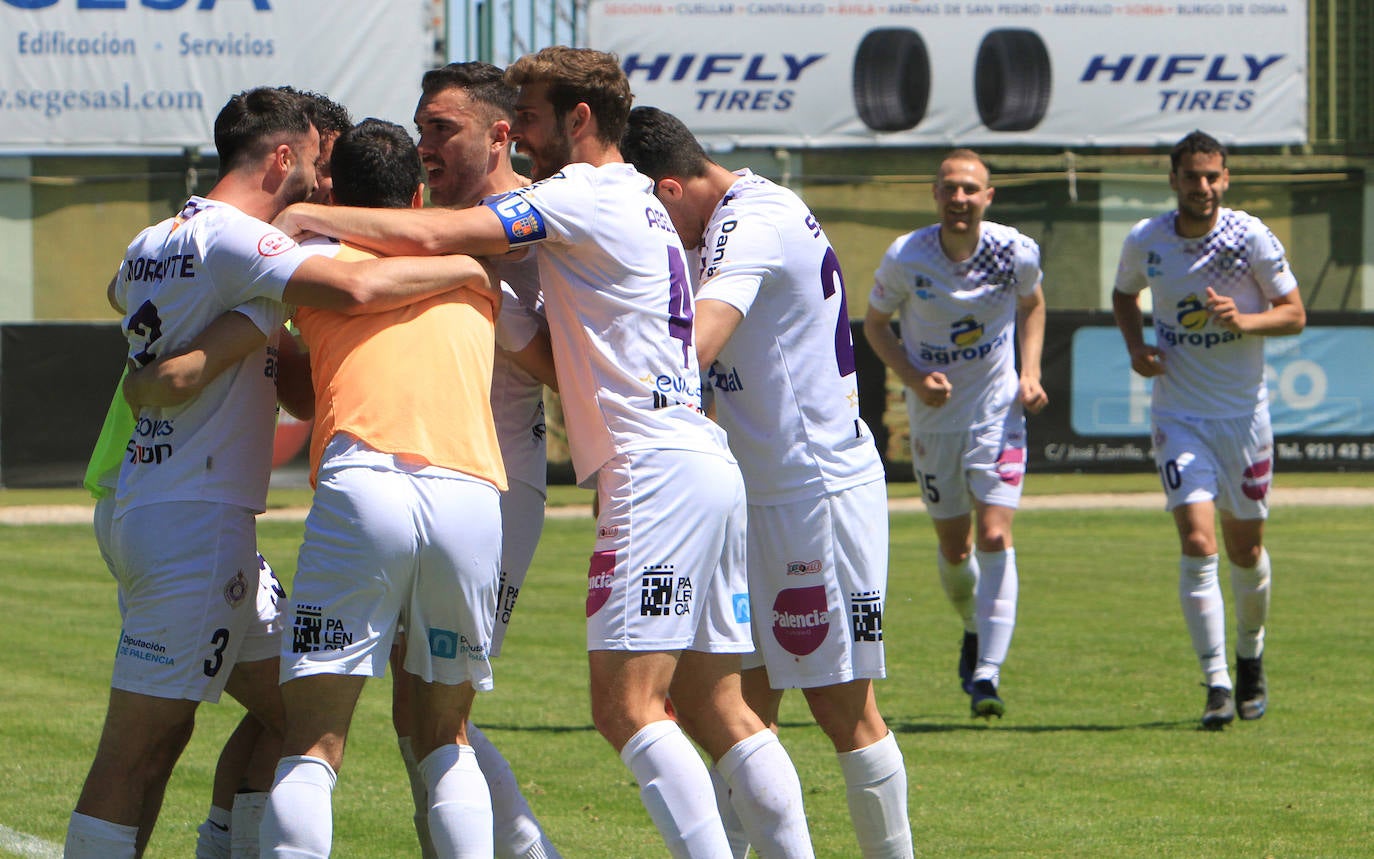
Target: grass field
{"type": "Point", "coordinates": [1098, 756]}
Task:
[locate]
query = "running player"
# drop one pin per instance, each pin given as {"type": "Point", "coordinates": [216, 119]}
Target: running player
{"type": "Point", "coordinates": [666, 589]}
{"type": "Point", "coordinates": [965, 289]}
{"type": "Point", "coordinates": [1220, 283]}
{"type": "Point", "coordinates": [182, 536]}
{"type": "Point", "coordinates": [772, 329]}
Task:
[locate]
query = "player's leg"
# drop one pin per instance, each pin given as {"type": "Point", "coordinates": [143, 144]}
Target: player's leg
{"type": "Point", "coordinates": [459, 801]}
{"type": "Point", "coordinates": [213, 836]}
{"type": "Point", "coordinates": [998, 588]}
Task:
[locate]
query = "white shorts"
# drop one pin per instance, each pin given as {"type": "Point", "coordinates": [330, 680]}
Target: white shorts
{"type": "Point", "coordinates": [522, 521]}
{"type": "Point", "coordinates": [188, 577]}
{"type": "Point", "coordinates": [817, 583]}
{"type": "Point", "coordinates": [667, 571]}
{"type": "Point", "coordinates": [386, 547]}
{"type": "Point", "coordinates": [987, 464]}
{"type": "Point", "coordinates": [1226, 460]}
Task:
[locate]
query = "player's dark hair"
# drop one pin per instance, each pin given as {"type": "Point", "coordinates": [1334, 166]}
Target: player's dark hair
{"type": "Point", "coordinates": [254, 121]}
{"type": "Point", "coordinates": [375, 164]}
{"type": "Point", "coordinates": [579, 76]}
{"type": "Point", "coordinates": [327, 115]}
{"type": "Point", "coordinates": [1196, 142]}
{"type": "Point", "coordinates": [483, 82]}
{"type": "Point", "coordinates": [659, 144]}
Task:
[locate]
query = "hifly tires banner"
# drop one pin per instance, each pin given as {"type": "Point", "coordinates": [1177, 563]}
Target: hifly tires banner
{"type": "Point", "coordinates": [920, 72]}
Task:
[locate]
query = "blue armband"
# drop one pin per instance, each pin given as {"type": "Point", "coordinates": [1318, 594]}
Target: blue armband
{"type": "Point", "coordinates": [521, 221]}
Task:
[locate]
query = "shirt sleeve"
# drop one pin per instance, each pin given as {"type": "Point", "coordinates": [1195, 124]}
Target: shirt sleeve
{"type": "Point", "coordinates": [1270, 263]}
{"type": "Point", "coordinates": [889, 288]}
{"type": "Point", "coordinates": [1028, 272]}
{"type": "Point", "coordinates": [1130, 269]}
{"type": "Point", "coordinates": [739, 256]}
{"type": "Point", "coordinates": [517, 324]}
{"type": "Point", "coordinates": [253, 260]}
{"type": "Point", "coordinates": [561, 208]}
{"type": "Point", "coordinates": [265, 314]}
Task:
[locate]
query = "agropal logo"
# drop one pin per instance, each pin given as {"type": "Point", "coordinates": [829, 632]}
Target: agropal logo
{"type": "Point", "coordinates": [801, 619]}
{"type": "Point", "coordinates": [1192, 313]}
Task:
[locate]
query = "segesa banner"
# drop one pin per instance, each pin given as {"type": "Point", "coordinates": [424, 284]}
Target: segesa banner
{"type": "Point", "coordinates": [946, 72]}
{"type": "Point", "coordinates": [130, 74]}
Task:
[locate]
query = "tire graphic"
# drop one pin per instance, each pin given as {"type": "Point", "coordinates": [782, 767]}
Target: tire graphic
{"type": "Point", "coordinates": [1011, 80]}
{"type": "Point", "coordinates": [891, 79]}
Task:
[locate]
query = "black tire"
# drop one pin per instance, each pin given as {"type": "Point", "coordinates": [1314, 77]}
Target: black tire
{"type": "Point", "coordinates": [1011, 80]}
{"type": "Point", "coordinates": [891, 79]}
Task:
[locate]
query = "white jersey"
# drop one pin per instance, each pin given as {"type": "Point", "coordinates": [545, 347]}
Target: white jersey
{"type": "Point", "coordinates": [959, 318]}
{"type": "Point", "coordinates": [517, 398]}
{"type": "Point", "coordinates": [619, 305]}
{"type": "Point", "coordinates": [1209, 371]}
{"type": "Point", "coordinates": [784, 383]}
{"type": "Point", "coordinates": [177, 277]}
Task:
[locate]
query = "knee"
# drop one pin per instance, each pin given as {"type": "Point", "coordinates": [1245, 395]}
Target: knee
{"type": "Point", "coordinates": [1245, 556]}
{"type": "Point", "coordinates": [994, 540]}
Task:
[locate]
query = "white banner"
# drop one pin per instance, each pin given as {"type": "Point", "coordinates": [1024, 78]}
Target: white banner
{"type": "Point", "coordinates": [133, 74]}
{"type": "Point", "coordinates": [924, 72]}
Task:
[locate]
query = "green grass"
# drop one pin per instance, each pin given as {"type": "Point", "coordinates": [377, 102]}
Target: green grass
{"type": "Point", "coordinates": [1099, 755]}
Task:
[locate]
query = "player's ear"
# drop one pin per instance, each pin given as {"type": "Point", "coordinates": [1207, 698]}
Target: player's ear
{"type": "Point", "coordinates": [499, 133]}
{"type": "Point", "coordinates": [580, 118]}
{"type": "Point", "coordinates": [417, 200]}
{"type": "Point", "coordinates": [668, 188]}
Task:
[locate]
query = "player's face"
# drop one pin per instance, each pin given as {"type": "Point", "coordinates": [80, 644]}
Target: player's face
{"type": "Point", "coordinates": [1200, 181]}
{"type": "Point", "coordinates": [301, 181]}
{"type": "Point", "coordinates": [538, 134]}
{"type": "Point", "coordinates": [962, 194]}
{"type": "Point", "coordinates": [456, 145]}
{"type": "Point", "coordinates": [324, 180]}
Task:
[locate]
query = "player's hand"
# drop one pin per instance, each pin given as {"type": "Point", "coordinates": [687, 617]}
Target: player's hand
{"type": "Point", "coordinates": [934, 390]}
{"type": "Point", "coordinates": [1147, 361]}
{"type": "Point", "coordinates": [1033, 396]}
{"type": "Point", "coordinates": [1223, 309]}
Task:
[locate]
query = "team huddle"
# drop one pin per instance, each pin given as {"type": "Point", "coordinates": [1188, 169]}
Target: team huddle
{"type": "Point", "coordinates": [737, 555]}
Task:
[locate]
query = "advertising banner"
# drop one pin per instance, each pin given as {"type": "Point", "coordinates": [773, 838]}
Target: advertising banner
{"type": "Point", "coordinates": [947, 72]}
{"type": "Point", "coordinates": [133, 74]}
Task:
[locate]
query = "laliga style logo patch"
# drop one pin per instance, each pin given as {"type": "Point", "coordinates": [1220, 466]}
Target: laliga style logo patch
{"type": "Point", "coordinates": [600, 574]}
{"type": "Point", "coordinates": [1255, 480]}
{"type": "Point", "coordinates": [274, 243]}
{"type": "Point", "coordinates": [802, 568]}
{"type": "Point", "coordinates": [235, 590]}
{"type": "Point", "coordinates": [1192, 313]}
{"type": "Point", "coordinates": [801, 619]}
{"type": "Point", "coordinates": [966, 332]}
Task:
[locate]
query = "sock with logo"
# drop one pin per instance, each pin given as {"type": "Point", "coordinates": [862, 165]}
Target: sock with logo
{"type": "Point", "coordinates": [515, 829]}
{"type": "Point", "coordinates": [875, 785]}
{"type": "Point", "coordinates": [676, 790]}
{"type": "Point", "coordinates": [298, 822]}
{"type": "Point", "coordinates": [419, 796]}
{"type": "Point", "coordinates": [92, 838]}
{"type": "Point", "coordinates": [997, 591]}
{"type": "Point", "coordinates": [767, 796]}
{"type": "Point", "coordinates": [212, 836]}
{"type": "Point", "coordinates": [1199, 593]}
{"type": "Point", "coordinates": [459, 803]}
{"type": "Point", "coordinates": [734, 829]}
{"type": "Point", "coordinates": [1250, 589]}
{"type": "Point", "coordinates": [247, 824]}
{"type": "Point", "coordinates": [960, 582]}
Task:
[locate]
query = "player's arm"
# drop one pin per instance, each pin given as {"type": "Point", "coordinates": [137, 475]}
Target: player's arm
{"type": "Point", "coordinates": [110, 295]}
{"type": "Point", "coordinates": [174, 379]}
{"type": "Point", "coordinates": [371, 286]}
{"type": "Point", "coordinates": [1145, 359]}
{"type": "Point", "coordinates": [712, 326]}
{"type": "Point", "coordinates": [1286, 315]}
{"type": "Point", "coordinates": [1030, 336]}
{"type": "Point", "coordinates": [414, 232]}
{"type": "Point", "coordinates": [933, 388]}
{"type": "Point", "coordinates": [295, 388]}
{"type": "Point", "coordinates": [536, 358]}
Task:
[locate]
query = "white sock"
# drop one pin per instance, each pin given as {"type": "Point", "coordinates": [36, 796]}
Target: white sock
{"type": "Point", "coordinates": [767, 796]}
{"type": "Point", "coordinates": [516, 832]}
{"type": "Point", "coordinates": [247, 824]}
{"type": "Point", "coordinates": [875, 785]}
{"type": "Point", "coordinates": [1250, 590]}
{"type": "Point", "coordinates": [734, 828]}
{"type": "Point", "coordinates": [298, 822]}
{"type": "Point", "coordinates": [420, 796]}
{"type": "Point", "coordinates": [212, 836]}
{"type": "Point", "coordinates": [997, 590]}
{"type": "Point", "coordinates": [1199, 593]}
{"type": "Point", "coordinates": [960, 582]}
{"type": "Point", "coordinates": [676, 791]}
{"type": "Point", "coordinates": [92, 838]}
{"type": "Point", "coordinates": [459, 803]}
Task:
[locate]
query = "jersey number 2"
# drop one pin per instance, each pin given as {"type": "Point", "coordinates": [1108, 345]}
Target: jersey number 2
{"type": "Point", "coordinates": [832, 281]}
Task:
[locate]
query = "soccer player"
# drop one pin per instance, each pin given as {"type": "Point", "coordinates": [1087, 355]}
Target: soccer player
{"type": "Point", "coordinates": [666, 589]}
{"type": "Point", "coordinates": [464, 118]}
{"type": "Point", "coordinates": [182, 536]}
{"type": "Point", "coordinates": [965, 290]}
{"type": "Point", "coordinates": [405, 524]}
{"type": "Point", "coordinates": [772, 329]}
{"type": "Point", "coordinates": [1220, 283]}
